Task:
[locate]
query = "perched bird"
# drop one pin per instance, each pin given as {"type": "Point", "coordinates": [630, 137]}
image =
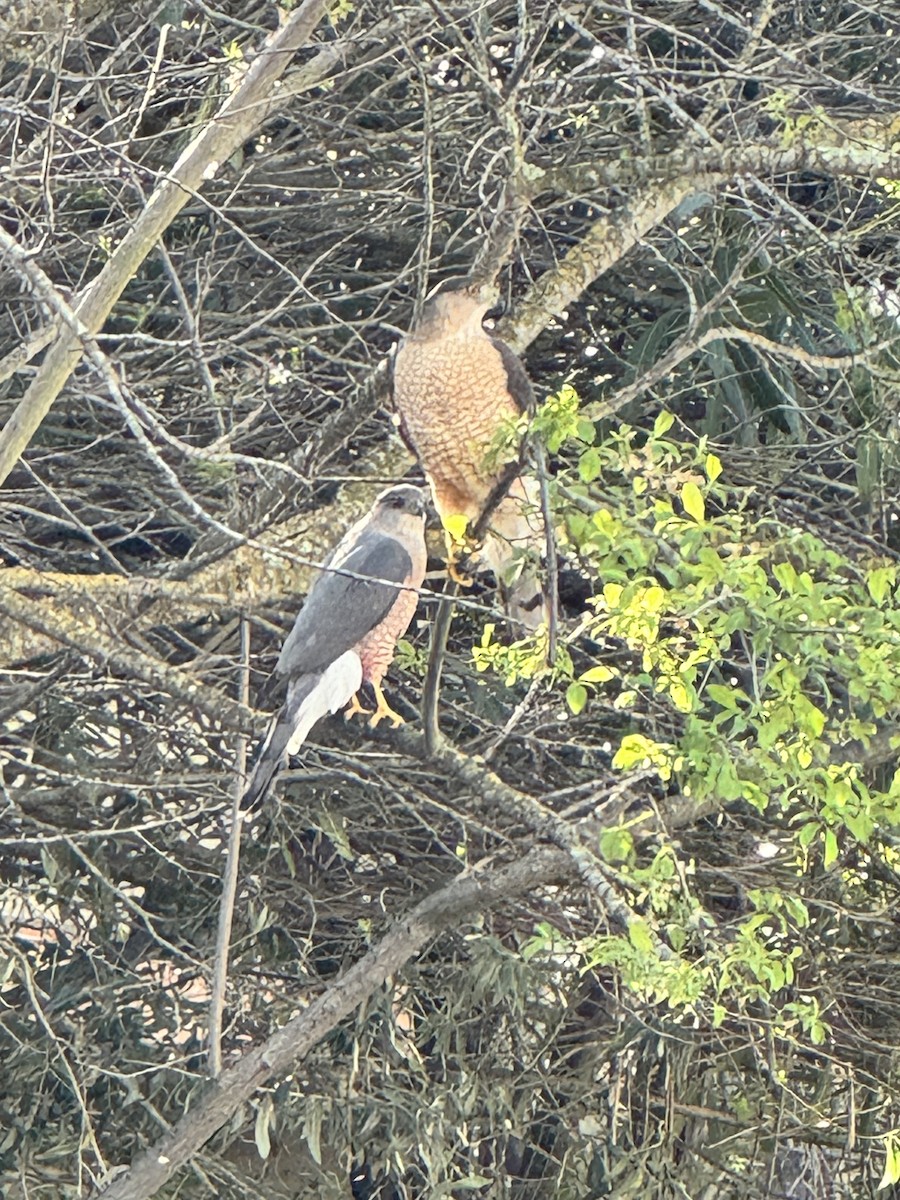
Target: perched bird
{"type": "Point", "coordinates": [455, 388]}
{"type": "Point", "coordinates": [360, 605]}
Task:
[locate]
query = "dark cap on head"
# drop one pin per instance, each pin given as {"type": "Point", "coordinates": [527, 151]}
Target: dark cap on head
{"type": "Point", "coordinates": [404, 497]}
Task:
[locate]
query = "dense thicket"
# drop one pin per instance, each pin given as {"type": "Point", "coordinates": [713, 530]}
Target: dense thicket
{"type": "Point", "coordinates": [693, 211]}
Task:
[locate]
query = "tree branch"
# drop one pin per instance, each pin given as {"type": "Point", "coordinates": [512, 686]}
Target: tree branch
{"type": "Point", "coordinates": [607, 241]}
{"type": "Point", "coordinates": [473, 892]}
{"type": "Point", "coordinates": [230, 876]}
{"type": "Point", "coordinates": [236, 120]}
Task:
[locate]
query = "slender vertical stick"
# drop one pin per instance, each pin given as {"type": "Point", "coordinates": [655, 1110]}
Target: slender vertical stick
{"type": "Point", "coordinates": [229, 884]}
{"type": "Point", "coordinates": [432, 689]}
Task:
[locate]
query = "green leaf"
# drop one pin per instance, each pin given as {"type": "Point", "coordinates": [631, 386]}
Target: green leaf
{"type": "Point", "coordinates": [725, 696]}
{"type": "Point", "coordinates": [663, 424]}
{"type": "Point", "coordinates": [879, 582]}
{"type": "Point", "coordinates": [576, 697]}
{"type": "Point", "coordinates": [616, 845]}
{"type": "Point", "coordinates": [640, 937]}
{"type": "Point", "coordinates": [860, 825]}
{"type": "Point", "coordinates": [713, 468]}
{"type": "Point", "coordinates": [589, 465]}
{"type": "Point", "coordinates": [692, 499]}
{"type": "Point", "coordinates": [598, 674]}
{"type": "Point", "coordinates": [786, 576]}
{"type": "Point", "coordinates": [807, 833]}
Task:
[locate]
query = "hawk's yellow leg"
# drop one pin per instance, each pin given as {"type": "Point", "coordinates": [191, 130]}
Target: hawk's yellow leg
{"type": "Point", "coordinates": [457, 549]}
{"type": "Point", "coordinates": [354, 707]}
{"type": "Point", "coordinates": [383, 710]}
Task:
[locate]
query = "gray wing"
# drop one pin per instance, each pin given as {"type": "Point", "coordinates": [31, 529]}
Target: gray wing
{"type": "Point", "coordinates": [517, 380]}
{"type": "Point", "coordinates": [339, 611]}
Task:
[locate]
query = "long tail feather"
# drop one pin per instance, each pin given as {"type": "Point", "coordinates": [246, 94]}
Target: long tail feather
{"type": "Point", "coordinates": [309, 699]}
{"type": "Point", "coordinates": [513, 550]}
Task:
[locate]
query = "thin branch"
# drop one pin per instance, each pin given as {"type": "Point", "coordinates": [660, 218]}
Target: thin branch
{"type": "Point", "coordinates": [232, 860]}
{"type": "Point", "coordinates": [605, 243]}
{"type": "Point", "coordinates": [22, 355]}
{"type": "Point", "coordinates": [552, 563]}
{"type": "Point", "coordinates": [691, 342]}
{"type": "Point", "coordinates": [87, 1125]}
{"type": "Point", "coordinates": [236, 120]}
{"type": "Point", "coordinates": [476, 891]}
{"type": "Point", "coordinates": [431, 690]}
{"type": "Point", "coordinates": [524, 809]}
{"type": "Point", "coordinates": [87, 632]}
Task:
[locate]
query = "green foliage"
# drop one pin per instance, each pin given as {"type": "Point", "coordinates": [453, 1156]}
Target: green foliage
{"type": "Point", "coordinates": [775, 650]}
{"type": "Point", "coordinates": [408, 657]}
{"type": "Point", "coordinates": [521, 660]}
{"type": "Point", "coordinates": [776, 658]}
{"type": "Point", "coordinates": [891, 1173]}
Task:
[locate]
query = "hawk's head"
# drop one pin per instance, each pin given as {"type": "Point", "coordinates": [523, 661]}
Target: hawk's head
{"type": "Point", "coordinates": [455, 305]}
{"type": "Point", "coordinates": [400, 500]}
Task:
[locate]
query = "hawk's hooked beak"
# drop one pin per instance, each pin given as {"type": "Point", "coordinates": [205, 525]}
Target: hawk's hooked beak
{"type": "Point", "coordinates": [496, 311]}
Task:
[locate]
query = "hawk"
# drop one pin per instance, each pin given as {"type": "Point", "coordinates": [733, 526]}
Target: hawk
{"type": "Point", "coordinates": [346, 633]}
{"type": "Point", "coordinates": [455, 387]}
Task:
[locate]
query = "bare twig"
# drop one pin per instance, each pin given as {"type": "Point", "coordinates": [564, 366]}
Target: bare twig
{"type": "Point", "coordinates": [229, 883]}
{"type": "Point", "coordinates": [476, 891]}
{"type": "Point", "coordinates": [232, 125]}
{"type": "Point", "coordinates": [552, 564]}
{"type": "Point", "coordinates": [431, 690]}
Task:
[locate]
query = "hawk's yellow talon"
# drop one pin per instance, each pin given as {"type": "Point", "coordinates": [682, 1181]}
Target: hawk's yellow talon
{"type": "Point", "coordinates": [454, 574]}
{"type": "Point", "coordinates": [383, 710]}
{"type": "Point", "coordinates": [354, 707]}
{"type": "Point", "coordinates": [458, 549]}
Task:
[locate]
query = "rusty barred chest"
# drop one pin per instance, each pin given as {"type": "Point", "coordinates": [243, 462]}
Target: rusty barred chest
{"type": "Point", "coordinates": [452, 396]}
{"type": "Point", "coordinates": [376, 649]}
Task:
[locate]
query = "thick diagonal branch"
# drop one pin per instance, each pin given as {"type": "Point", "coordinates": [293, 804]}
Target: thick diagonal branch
{"type": "Point", "coordinates": [475, 892]}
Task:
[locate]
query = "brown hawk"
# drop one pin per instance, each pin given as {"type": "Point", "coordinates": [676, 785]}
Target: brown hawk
{"type": "Point", "coordinates": [358, 608]}
{"type": "Point", "coordinates": [455, 387]}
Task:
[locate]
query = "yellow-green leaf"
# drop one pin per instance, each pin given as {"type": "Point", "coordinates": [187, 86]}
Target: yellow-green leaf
{"type": "Point", "coordinates": [616, 845]}
{"type": "Point", "coordinates": [713, 468]}
{"type": "Point", "coordinates": [598, 674]}
{"type": "Point", "coordinates": [663, 424]}
{"type": "Point", "coordinates": [879, 582]}
{"type": "Point", "coordinates": [576, 697]}
{"type": "Point", "coordinates": [892, 1162]}
{"type": "Point", "coordinates": [589, 465]}
{"type": "Point", "coordinates": [692, 499]}
{"type": "Point", "coordinates": [639, 936]}
{"type": "Point", "coordinates": [636, 750]}
{"type": "Point", "coordinates": [612, 594]}
{"type": "Point", "coordinates": [786, 576]}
